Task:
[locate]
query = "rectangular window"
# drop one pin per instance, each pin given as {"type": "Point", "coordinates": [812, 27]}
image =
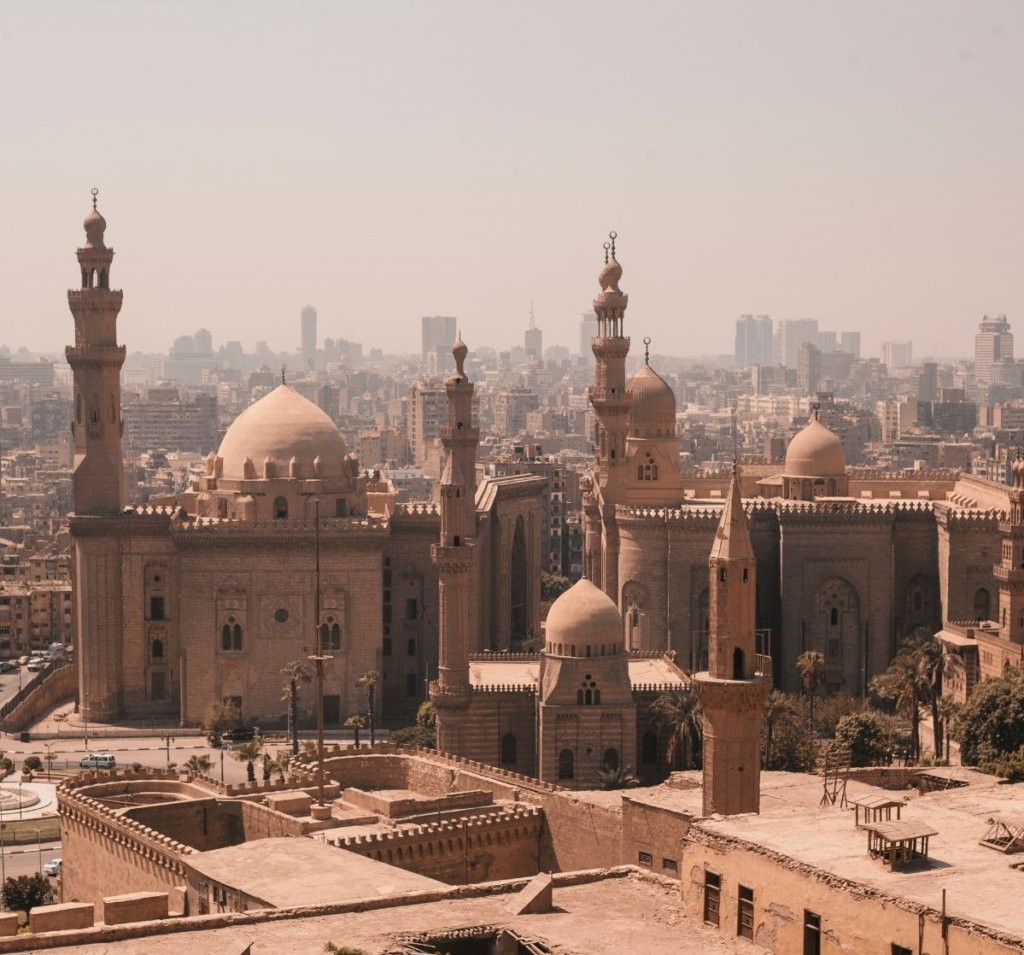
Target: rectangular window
{"type": "Point", "coordinates": [235, 701]}
{"type": "Point", "coordinates": [386, 649]}
{"type": "Point", "coordinates": [812, 933]}
{"type": "Point", "coordinates": [645, 858]}
{"type": "Point", "coordinates": [670, 865]}
{"type": "Point", "coordinates": [900, 950]}
{"type": "Point", "coordinates": [745, 913]}
{"type": "Point", "coordinates": [712, 897]}
{"type": "Point", "coordinates": [411, 608]}
{"type": "Point", "coordinates": [156, 608]}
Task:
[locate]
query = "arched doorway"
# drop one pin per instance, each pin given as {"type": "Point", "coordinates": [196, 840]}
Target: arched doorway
{"type": "Point", "coordinates": [518, 583]}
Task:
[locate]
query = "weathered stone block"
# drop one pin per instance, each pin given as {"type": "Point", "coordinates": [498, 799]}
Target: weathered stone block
{"type": "Point", "coordinates": [8, 924]}
{"type": "Point", "coordinates": [535, 899]}
{"type": "Point", "coordinates": [135, 907]}
{"type": "Point", "coordinates": [58, 918]}
{"type": "Point", "coordinates": [292, 802]}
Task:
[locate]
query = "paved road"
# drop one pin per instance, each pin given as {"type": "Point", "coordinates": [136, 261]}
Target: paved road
{"type": "Point", "coordinates": [9, 683]}
{"type": "Point", "coordinates": [24, 860]}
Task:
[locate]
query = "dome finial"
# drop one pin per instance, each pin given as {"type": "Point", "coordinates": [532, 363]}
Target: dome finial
{"type": "Point", "coordinates": [459, 353]}
{"type": "Point", "coordinates": [613, 235]}
{"type": "Point", "coordinates": [284, 372]}
{"type": "Point", "coordinates": [95, 193]}
{"type": "Point", "coordinates": [815, 406]}
{"type": "Point", "coordinates": [607, 248]}
{"type": "Point", "coordinates": [647, 350]}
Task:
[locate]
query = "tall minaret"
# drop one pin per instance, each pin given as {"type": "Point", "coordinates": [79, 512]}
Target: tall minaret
{"type": "Point", "coordinates": [453, 557]}
{"type": "Point", "coordinates": [95, 361]}
{"type": "Point", "coordinates": [611, 404]}
{"type": "Point", "coordinates": [1009, 572]}
{"type": "Point", "coordinates": [732, 691]}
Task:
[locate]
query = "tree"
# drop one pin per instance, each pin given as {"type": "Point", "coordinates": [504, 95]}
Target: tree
{"type": "Point", "coordinates": [369, 680]}
{"type": "Point", "coordinates": [868, 736]}
{"type": "Point", "coordinates": [811, 664]}
{"type": "Point", "coordinates": [934, 662]}
{"type": "Point", "coordinates": [678, 712]}
{"type": "Point", "coordinates": [991, 723]}
{"type": "Point", "coordinates": [355, 723]}
{"type": "Point", "coordinates": [619, 778]}
{"type": "Point", "coordinates": [777, 708]}
{"type": "Point", "coordinates": [268, 768]}
{"type": "Point", "coordinates": [906, 685]}
{"type": "Point", "coordinates": [426, 715]}
{"type": "Point", "coordinates": [220, 718]}
{"type": "Point", "coordinates": [198, 764]}
{"type": "Point", "coordinates": [297, 673]}
{"type": "Point", "coordinates": [793, 746]}
{"type": "Point", "coordinates": [248, 753]}
{"type": "Point", "coordinates": [32, 764]}
{"type": "Point", "coordinates": [552, 586]}
{"type": "Point", "coordinates": [414, 736]}
{"type": "Point", "coordinates": [24, 892]}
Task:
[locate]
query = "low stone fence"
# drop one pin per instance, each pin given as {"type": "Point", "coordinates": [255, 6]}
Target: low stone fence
{"type": "Point", "coordinates": [58, 686]}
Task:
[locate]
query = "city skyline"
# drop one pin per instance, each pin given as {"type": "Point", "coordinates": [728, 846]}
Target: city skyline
{"type": "Point", "coordinates": [853, 165]}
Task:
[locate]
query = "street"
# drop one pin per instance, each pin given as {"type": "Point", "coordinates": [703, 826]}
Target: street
{"type": "Point", "coordinates": [24, 860]}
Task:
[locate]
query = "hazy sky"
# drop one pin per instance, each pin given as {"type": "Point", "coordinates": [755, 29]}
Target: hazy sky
{"type": "Point", "coordinates": [856, 162]}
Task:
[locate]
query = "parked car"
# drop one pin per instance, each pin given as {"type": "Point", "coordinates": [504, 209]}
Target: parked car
{"type": "Point", "coordinates": [53, 867]}
{"type": "Point", "coordinates": [7, 667]}
{"type": "Point", "coordinates": [22, 661]}
{"type": "Point", "coordinates": [98, 761]}
{"type": "Point", "coordinates": [240, 734]}
{"type": "Point", "coordinates": [36, 664]}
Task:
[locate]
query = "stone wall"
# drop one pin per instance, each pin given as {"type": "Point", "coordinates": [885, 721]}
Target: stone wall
{"type": "Point", "coordinates": [652, 836]}
{"type": "Point", "coordinates": [577, 834]}
{"type": "Point", "coordinates": [58, 687]}
{"type": "Point", "coordinates": [203, 824]}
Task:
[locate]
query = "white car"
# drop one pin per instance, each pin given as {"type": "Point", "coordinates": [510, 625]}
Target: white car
{"type": "Point", "coordinates": [53, 867]}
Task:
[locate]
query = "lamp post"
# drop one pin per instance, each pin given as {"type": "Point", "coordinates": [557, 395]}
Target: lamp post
{"type": "Point", "coordinates": [39, 848]}
{"type": "Point", "coordinates": [167, 743]}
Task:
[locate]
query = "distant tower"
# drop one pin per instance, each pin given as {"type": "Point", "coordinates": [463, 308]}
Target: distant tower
{"type": "Point", "coordinates": [309, 337]}
{"type": "Point", "coordinates": [96, 361]}
{"type": "Point", "coordinates": [611, 402]}
{"type": "Point", "coordinates": [96, 525]}
{"type": "Point", "coordinates": [1009, 572]}
{"type": "Point", "coordinates": [533, 340]}
{"type": "Point", "coordinates": [732, 692]}
{"type": "Point", "coordinates": [453, 557]}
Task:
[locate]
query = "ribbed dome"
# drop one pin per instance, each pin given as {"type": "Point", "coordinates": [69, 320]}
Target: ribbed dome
{"type": "Point", "coordinates": [583, 616]}
{"type": "Point", "coordinates": [282, 426]}
{"type": "Point", "coordinates": [815, 452]}
{"type": "Point", "coordinates": [654, 402]}
{"type": "Point", "coordinates": [95, 226]}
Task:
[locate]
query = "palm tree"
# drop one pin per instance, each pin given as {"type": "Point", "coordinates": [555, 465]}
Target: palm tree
{"type": "Point", "coordinates": [621, 777]}
{"type": "Point", "coordinates": [678, 712]}
{"type": "Point", "coordinates": [297, 672]}
{"type": "Point", "coordinates": [198, 764]}
{"type": "Point", "coordinates": [355, 723]}
{"type": "Point", "coordinates": [369, 680]}
{"type": "Point", "coordinates": [811, 664]}
{"type": "Point", "coordinates": [933, 661]}
{"type": "Point", "coordinates": [907, 687]}
{"type": "Point", "coordinates": [248, 753]}
{"type": "Point", "coordinates": [777, 707]}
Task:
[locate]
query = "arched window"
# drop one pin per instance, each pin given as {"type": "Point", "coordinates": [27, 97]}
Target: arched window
{"type": "Point", "coordinates": [410, 649]}
{"type": "Point", "coordinates": [649, 748]}
{"type": "Point", "coordinates": [280, 508]}
{"type": "Point", "coordinates": [611, 759]}
{"type": "Point", "coordinates": [508, 750]}
{"type": "Point", "coordinates": [566, 764]}
{"type": "Point", "coordinates": [231, 635]}
{"type": "Point", "coordinates": [156, 650]}
{"type": "Point", "coordinates": [918, 600]}
{"type": "Point", "coordinates": [982, 607]}
{"type": "Point", "coordinates": [597, 696]}
{"type": "Point", "coordinates": [737, 664]}
{"type": "Point", "coordinates": [833, 616]}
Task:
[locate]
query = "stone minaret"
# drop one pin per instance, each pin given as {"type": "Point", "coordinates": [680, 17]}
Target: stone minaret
{"type": "Point", "coordinates": [1009, 572]}
{"type": "Point", "coordinates": [453, 557]}
{"type": "Point", "coordinates": [97, 523]}
{"type": "Point", "coordinates": [95, 361]}
{"type": "Point", "coordinates": [732, 691]}
{"type": "Point", "coordinates": [611, 403]}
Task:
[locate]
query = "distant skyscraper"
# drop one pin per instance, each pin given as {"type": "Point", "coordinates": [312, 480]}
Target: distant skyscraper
{"type": "Point", "coordinates": [203, 342]}
{"type": "Point", "coordinates": [754, 344]}
{"type": "Point", "coordinates": [928, 382]}
{"type": "Point", "coordinates": [439, 332]}
{"type": "Point", "coordinates": [850, 342]}
{"type": "Point", "coordinates": [790, 335]}
{"type": "Point", "coordinates": [808, 368]}
{"type": "Point", "coordinates": [897, 354]}
{"type": "Point", "coordinates": [308, 337]}
{"type": "Point", "coordinates": [533, 340]}
{"type": "Point", "coordinates": [827, 342]}
{"type": "Point", "coordinates": [588, 330]}
{"type": "Point", "coordinates": [992, 344]}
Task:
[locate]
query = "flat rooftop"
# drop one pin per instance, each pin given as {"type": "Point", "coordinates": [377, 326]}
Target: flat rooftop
{"type": "Point", "coordinates": [981, 885]}
{"type": "Point", "coordinates": [295, 871]}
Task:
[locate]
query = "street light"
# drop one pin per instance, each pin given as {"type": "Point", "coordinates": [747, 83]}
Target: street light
{"type": "Point", "coordinates": [167, 742]}
{"type": "Point", "coordinates": [39, 848]}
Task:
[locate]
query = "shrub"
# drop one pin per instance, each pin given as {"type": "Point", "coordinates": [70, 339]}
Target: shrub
{"type": "Point", "coordinates": [869, 736]}
{"type": "Point", "coordinates": [32, 764]}
{"type": "Point", "coordinates": [414, 736]}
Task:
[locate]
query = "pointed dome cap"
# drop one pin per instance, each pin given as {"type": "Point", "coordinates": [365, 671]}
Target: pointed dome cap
{"type": "Point", "coordinates": [609, 276]}
{"type": "Point", "coordinates": [459, 353]}
{"type": "Point", "coordinates": [283, 426]}
{"type": "Point", "coordinates": [95, 225]}
{"type": "Point", "coordinates": [583, 616]}
{"type": "Point", "coordinates": [815, 452]}
{"type": "Point", "coordinates": [732, 538]}
{"type": "Point", "coordinates": [654, 401]}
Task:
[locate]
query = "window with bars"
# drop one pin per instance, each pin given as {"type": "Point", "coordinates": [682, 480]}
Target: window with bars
{"type": "Point", "coordinates": [745, 913]}
{"type": "Point", "coordinates": [712, 897]}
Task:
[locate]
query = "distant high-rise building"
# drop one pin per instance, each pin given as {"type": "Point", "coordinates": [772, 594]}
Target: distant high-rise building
{"type": "Point", "coordinates": [588, 330]}
{"type": "Point", "coordinates": [897, 354]}
{"type": "Point", "coordinates": [850, 342]}
{"type": "Point", "coordinates": [439, 332]}
{"type": "Point", "coordinates": [428, 412]}
{"type": "Point", "coordinates": [754, 344]}
{"type": "Point", "coordinates": [928, 382]}
{"type": "Point", "coordinates": [827, 342]}
{"type": "Point", "coordinates": [790, 335]}
{"type": "Point", "coordinates": [992, 344]}
{"type": "Point", "coordinates": [202, 342]}
{"type": "Point", "coordinates": [308, 337]}
{"type": "Point", "coordinates": [533, 340]}
{"type": "Point", "coordinates": [808, 368]}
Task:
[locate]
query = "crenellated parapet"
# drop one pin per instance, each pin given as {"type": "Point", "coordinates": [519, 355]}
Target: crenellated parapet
{"type": "Point", "coordinates": [519, 817]}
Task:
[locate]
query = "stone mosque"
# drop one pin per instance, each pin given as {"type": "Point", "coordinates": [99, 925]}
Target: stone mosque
{"type": "Point", "coordinates": [208, 595]}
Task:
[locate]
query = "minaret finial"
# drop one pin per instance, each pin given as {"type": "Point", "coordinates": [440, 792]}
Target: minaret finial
{"type": "Point", "coordinates": [95, 193]}
{"type": "Point", "coordinates": [815, 406]}
{"type": "Point", "coordinates": [613, 235]}
{"type": "Point", "coordinates": [607, 247]}
{"type": "Point", "coordinates": [647, 350]}
{"type": "Point", "coordinates": [284, 370]}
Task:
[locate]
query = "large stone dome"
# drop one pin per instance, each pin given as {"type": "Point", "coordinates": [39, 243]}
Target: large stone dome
{"type": "Point", "coordinates": [815, 452]}
{"type": "Point", "coordinates": [583, 617]}
{"type": "Point", "coordinates": [283, 426]}
{"type": "Point", "coordinates": [654, 402]}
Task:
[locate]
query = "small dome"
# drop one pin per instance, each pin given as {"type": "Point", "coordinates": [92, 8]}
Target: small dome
{"type": "Point", "coordinates": [459, 353]}
{"type": "Point", "coordinates": [95, 225]}
{"type": "Point", "coordinates": [609, 276]}
{"type": "Point", "coordinates": [815, 452]}
{"type": "Point", "coordinates": [654, 402]}
{"type": "Point", "coordinates": [583, 616]}
{"type": "Point", "coordinates": [280, 428]}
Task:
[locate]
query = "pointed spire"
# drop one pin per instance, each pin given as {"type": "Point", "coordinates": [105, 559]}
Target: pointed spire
{"type": "Point", "coordinates": [647, 351]}
{"type": "Point", "coordinates": [732, 539]}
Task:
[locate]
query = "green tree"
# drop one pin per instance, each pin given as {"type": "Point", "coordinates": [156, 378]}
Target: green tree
{"type": "Point", "coordinates": [934, 662]}
{"type": "Point", "coordinates": [552, 586]}
{"type": "Point", "coordinates": [678, 713]}
{"type": "Point", "coordinates": [198, 763]}
{"type": "Point", "coordinates": [355, 723]}
{"type": "Point", "coordinates": [991, 723]}
{"type": "Point", "coordinates": [777, 708]}
{"type": "Point", "coordinates": [248, 753]}
{"type": "Point", "coordinates": [414, 736]}
{"type": "Point", "coordinates": [829, 710]}
{"type": "Point", "coordinates": [220, 718]}
{"type": "Point", "coordinates": [369, 680]}
{"type": "Point", "coordinates": [869, 737]}
{"type": "Point", "coordinates": [619, 778]}
{"type": "Point", "coordinates": [296, 673]}
{"type": "Point", "coordinates": [906, 685]}
{"type": "Point", "coordinates": [32, 764]}
{"type": "Point", "coordinates": [793, 745]}
{"type": "Point", "coordinates": [426, 715]}
{"type": "Point", "coordinates": [24, 892]}
{"type": "Point", "coordinates": [811, 665]}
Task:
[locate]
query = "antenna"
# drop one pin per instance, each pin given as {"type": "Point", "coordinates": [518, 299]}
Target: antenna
{"type": "Point", "coordinates": [284, 369]}
{"type": "Point", "coordinates": [533, 323]}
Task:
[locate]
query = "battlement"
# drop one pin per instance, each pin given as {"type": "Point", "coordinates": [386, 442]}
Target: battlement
{"type": "Point", "coordinates": [513, 816]}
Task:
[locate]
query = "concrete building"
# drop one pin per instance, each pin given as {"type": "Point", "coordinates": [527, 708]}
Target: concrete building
{"type": "Point", "coordinates": [993, 344]}
{"type": "Point", "coordinates": [427, 412]}
{"type": "Point", "coordinates": [308, 340]}
{"type": "Point", "coordinates": [438, 332]}
{"type": "Point", "coordinates": [754, 341]}
{"type": "Point", "coordinates": [533, 340]}
{"type": "Point", "coordinates": [897, 354]}
{"type": "Point", "coordinates": [790, 334]}
{"type": "Point", "coordinates": [588, 329]}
